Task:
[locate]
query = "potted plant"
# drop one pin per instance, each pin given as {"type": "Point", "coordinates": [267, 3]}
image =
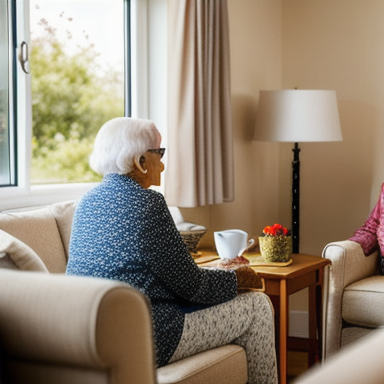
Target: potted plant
{"type": "Point", "coordinates": [276, 244]}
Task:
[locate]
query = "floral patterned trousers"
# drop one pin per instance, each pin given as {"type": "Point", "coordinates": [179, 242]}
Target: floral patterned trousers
{"type": "Point", "coordinates": [248, 321]}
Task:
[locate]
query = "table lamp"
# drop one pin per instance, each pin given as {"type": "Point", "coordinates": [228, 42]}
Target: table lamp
{"type": "Point", "coordinates": [297, 116]}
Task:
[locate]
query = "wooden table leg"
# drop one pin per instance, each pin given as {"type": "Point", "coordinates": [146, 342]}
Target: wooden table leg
{"type": "Point", "coordinates": [312, 326]}
{"type": "Point", "coordinates": [283, 330]}
{"type": "Point", "coordinates": [276, 306]}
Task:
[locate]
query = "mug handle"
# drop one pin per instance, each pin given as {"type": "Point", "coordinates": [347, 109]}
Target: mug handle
{"type": "Point", "coordinates": [250, 245]}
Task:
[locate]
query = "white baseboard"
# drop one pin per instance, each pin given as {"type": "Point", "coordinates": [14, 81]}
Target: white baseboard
{"type": "Point", "coordinates": [298, 324]}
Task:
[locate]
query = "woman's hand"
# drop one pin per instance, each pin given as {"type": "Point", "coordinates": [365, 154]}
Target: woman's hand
{"type": "Point", "coordinates": [247, 278]}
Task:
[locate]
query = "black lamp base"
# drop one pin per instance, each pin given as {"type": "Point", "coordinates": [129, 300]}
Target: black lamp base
{"type": "Point", "coordinates": [295, 199]}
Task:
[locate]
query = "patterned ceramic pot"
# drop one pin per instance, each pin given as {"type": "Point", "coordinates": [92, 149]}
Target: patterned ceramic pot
{"type": "Point", "coordinates": [276, 248]}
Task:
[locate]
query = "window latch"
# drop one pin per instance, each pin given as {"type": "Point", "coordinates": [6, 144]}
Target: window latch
{"type": "Point", "coordinates": [24, 57]}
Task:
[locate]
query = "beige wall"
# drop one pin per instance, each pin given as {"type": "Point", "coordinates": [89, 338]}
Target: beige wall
{"type": "Point", "coordinates": [338, 44]}
{"type": "Point", "coordinates": [309, 44]}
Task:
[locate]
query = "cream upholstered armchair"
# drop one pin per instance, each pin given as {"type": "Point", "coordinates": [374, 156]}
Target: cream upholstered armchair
{"type": "Point", "coordinates": [61, 329]}
{"type": "Point", "coordinates": [361, 362]}
{"type": "Point", "coordinates": [354, 295]}
{"type": "Point", "coordinates": [65, 329]}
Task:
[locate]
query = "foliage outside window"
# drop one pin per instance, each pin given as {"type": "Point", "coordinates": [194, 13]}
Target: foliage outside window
{"type": "Point", "coordinates": [74, 92]}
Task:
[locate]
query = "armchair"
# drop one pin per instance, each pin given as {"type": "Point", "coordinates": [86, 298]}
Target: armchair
{"type": "Point", "coordinates": [356, 364]}
{"type": "Point", "coordinates": [354, 293]}
{"type": "Point", "coordinates": [104, 335]}
{"type": "Point", "coordinates": [61, 329]}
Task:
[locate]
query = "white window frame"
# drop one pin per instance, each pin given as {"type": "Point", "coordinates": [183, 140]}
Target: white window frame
{"type": "Point", "coordinates": [25, 195]}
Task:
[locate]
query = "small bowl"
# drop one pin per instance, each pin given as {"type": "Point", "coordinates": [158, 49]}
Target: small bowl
{"type": "Point", "coordinates": [192, 238]}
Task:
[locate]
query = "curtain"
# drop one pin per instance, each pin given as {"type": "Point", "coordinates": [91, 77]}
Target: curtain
{"type": "Point", "coordinates": [200, 151]}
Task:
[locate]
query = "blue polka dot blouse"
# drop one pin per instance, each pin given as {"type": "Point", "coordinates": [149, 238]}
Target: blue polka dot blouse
{"type": "Point", "coordinates": [124, 232]}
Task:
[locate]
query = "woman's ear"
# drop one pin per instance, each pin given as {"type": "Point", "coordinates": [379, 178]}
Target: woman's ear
{"type": "Point", "coordinates": [138, 163]}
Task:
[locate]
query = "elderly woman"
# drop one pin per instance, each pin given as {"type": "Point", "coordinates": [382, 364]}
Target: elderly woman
{"type": "Point", "coordinates": [124, 231]}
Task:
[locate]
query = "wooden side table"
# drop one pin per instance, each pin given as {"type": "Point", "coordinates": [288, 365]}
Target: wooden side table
{"type": "Point", "coordinates": [306, 271]}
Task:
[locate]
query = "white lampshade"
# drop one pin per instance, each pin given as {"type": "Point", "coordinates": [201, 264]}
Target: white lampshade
{"type": "Point", "coordinates": [297, 116]}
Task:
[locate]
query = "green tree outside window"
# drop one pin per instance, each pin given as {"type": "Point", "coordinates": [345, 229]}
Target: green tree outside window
{"type": "Point", "coordinates": [72, 97]}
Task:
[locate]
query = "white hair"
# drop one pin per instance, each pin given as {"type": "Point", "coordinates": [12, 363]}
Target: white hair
{"type": "Point", "coordinates": [119, 141]}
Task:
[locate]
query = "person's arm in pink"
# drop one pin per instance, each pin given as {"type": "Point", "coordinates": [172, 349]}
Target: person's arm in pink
{"type": "Point", "coordinates": [366, 235]}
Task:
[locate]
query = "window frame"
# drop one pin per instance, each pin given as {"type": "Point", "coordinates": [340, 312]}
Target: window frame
{"type": "Point", "coordinates": [24, 194]}
{"type": "Point", "coordinates": [6, 36]}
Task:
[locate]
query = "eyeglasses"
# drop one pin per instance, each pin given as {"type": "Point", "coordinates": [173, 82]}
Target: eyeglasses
{"type": "Point", "coordinates": [159, 151]}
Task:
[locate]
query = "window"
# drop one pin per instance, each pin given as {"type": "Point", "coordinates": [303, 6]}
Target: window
{"type": "Point", "coordinates": [24, 185]}
{"type": "Point", "coordinates": [7, 154]}
{"type": "Point", "coordinates": [19, 183]}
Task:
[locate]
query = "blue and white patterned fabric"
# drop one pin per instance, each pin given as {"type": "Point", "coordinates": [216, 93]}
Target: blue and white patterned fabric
{"type": "Point", "coordinates": [124, 232]}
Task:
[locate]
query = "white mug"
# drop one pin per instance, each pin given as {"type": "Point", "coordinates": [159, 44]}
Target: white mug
{"type": "Point", "coordinates": [232, 243]}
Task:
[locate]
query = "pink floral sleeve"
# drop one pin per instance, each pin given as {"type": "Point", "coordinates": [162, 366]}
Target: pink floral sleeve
{"type": "Point", "coordinates": [371, 234]}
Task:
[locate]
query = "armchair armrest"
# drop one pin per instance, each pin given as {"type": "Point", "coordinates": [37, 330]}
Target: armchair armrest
{"type": "Point", "coordinates": [57, 328]}
{"type": "Point", "coordinates": [349, 264]}
{"type": "Point", "coordinates": [359, 363]}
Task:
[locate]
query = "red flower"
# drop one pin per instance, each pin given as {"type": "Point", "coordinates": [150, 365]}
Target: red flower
{"type": "Point", "coordinates": [275, 230]}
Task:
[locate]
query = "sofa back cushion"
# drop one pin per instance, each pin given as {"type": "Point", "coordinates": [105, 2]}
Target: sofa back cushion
{"type": "Point", "coordinates": [14, 254]}
{"type": "Point", "coordinates": [38, 230]}
{"type": "Point", "coordinates": [63, 213]}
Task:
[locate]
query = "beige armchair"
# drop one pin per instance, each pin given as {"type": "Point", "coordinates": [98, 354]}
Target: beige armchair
{"type": "Point", "coordinates": [358, 363]}
{"type": "Point", "coordinates": [60, 329]}
{"type": "Point", "coordinates": [78, 330]}
{"type": "Point", "coordinates": [354, 295]}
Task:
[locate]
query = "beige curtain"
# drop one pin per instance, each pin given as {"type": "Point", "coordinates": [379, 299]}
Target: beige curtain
{"type": "Point", "coordinates": [200, 155]}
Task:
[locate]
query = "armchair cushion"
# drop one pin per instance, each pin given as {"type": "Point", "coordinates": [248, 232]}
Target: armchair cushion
{"type": "Point", "coordinates": [363, 302]}
{"type": "Point", "coordinates": [14, 254]}
{"type": "Point", "coordinates": [352, 334]}
{"type": "Point", "coordinates": [38, 229]}
{"type": "Point", "coordinates": [63, 213]}
{"type": "Point", "coordinates": [200, 368]}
